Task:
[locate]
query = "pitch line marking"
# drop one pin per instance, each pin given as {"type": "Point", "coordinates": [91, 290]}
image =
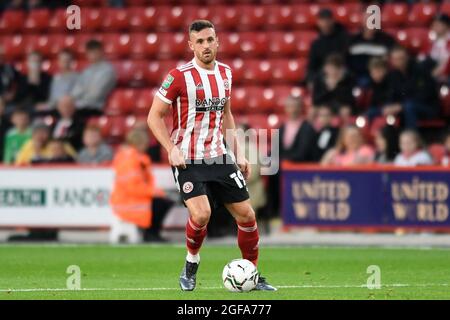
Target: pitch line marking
{"type": "Point", "coordinates": [363, 286]}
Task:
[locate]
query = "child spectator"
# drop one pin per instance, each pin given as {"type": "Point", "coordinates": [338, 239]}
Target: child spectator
{"type": "Point", "coordinates": [95, 151]}
{"type": "Point", "coordinates": [412, 151]}
{"type": "Point", "coordinates": [57, 153]}
{"type": "Point", "coordinates": [17, 136]}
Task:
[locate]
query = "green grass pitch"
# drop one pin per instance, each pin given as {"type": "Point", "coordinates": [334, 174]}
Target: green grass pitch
{"type": "Point", "coordinates": [151, 272]}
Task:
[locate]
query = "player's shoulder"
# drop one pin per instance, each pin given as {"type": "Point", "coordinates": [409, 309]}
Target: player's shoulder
{"type": "Point", "coordinates": [223, 65]}
{"type": "Point", "coordinates": [185, 67]}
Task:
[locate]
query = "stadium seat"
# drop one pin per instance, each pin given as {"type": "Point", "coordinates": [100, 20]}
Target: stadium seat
{"type": "Point", "coordinates": [169, 18]}
{"type": "Point", "coordinates": [225, 18]}
{"type": "Point", "coordinates": [80, 42]}
{"type": "Point", "coordinates": [91, 19]}
{"type": "Point", "coordinates": [267, 100]}
{"type": "Point", "coordinates": [444, 94]}
{"type": "Point", "coordinates": [37, 21]}
{"type": "Point", "coordinates": [418, 39]}
{"type": "Point", "coordinates": [253, 44]}
{"type": "Point", "coordinates": [238, 66]}
{"type": "Point", "coordinates": [121, 102]}
{"type": "Point", "coordinates": [445, 7]}
{"type": "Point", "coordinates": [303, 20]}
{"type": "Point", "coordinates": [284, 91]}
{"type": "Point", "coordinates": [281, 44]}
{"type": "Point", "coordinates": [257, 72]}
{"type": "Point", "coordinates": [349, 14]}
{"type": "Point", "coordinates": [421, 14]}
{"type": "Point", "coordinates": [58, 21]}
{"type": "Point", "coordinates": [40, 43]}
{"type": "Point", "coordinates": [394, 15]}
{"type": "Point", "coordinates": [144, 101]}
{"type": "Point", "coordinates": [115, 19]}
{"type": "Point", "coordinates": [116, 46]}
{"type": "Point", "coordinates": [253, 17]}
{"type": "Point", "coordinates": [437, 152]}
{"type": "Point", "coordinates": [11, 21]}
{"type": "Point", "coordinates": [14, 47]}
{"type": "Point", "coordinates": [131, 73]}
{"type": "Point", "coordinates": [93, 3]}
{"type": "Point", "coordinates": [303, 41]}
{"type": "Point", "coordinates": [288, 71]}
{"type": "Point", "coordinates": [229, 45]}
{"type": "Point", "coordinates": [280, 17]}
{"type": "Point", "coordinates": [144, 45]}
{"type": "Point", "coordinates": [142, 19]}
{"type": "Point", "coordinates": [173, 45]}
{"type": "Point", "coordinates": [155, 71]}
{"type": "Point", "coordinates": [400, 35]}
{"type": "Point", "coordinates": [239, 97]}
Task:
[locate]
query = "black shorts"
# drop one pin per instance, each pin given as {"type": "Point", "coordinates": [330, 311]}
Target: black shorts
{"type": "Point", "coordinates": [218, 178]}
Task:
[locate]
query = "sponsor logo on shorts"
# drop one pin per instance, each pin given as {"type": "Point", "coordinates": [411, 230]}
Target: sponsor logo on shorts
{"type": "Point", "coordinates": [188, 187]}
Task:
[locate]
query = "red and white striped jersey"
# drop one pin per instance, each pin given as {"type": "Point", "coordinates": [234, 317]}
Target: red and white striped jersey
{"type": "Point", "coordinates": [198, 97]}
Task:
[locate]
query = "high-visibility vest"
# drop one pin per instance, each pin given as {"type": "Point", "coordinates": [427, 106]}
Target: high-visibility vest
{"type": "Point", "coordinates": [131, 198]}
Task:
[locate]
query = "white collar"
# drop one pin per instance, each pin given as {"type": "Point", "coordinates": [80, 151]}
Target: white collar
{"type": "Point", "coordinates": [203, 70]}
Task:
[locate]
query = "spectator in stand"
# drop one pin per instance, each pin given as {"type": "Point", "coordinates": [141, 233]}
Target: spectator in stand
{"type": "Point", "coordinates": [380, 85]}
{"type": "Point", "coordinates": [57, 153]}
{"type": "Point", "coordinates": [69, 126]}
{"type": "Point", "coordinates": [446, 157]}
{"type": "Point", "coordinates": [350, 149]}
{"type": "Point", "coordinates": [412, 150]}
{"type": "Point", "coordinates": [334, 87]}
{"type": "Point", "coordinates": [5, 124]}
{"type": "Point", "coordinates": [415, 92]}
{"type": "Point", "coordinates": [10, 80]}
{"type": "Point", "coordinates": [367, 44]}
{"type": "Point", "coordinates": [62, 83]}
{"type": "Point", "coordinates": [17, 136]}
{"type": "Point", "coordinates": [95, 82]}
{"type": "Point", "coordinates": [439, 51]}
{"type": "Point", "coordinates": [333, 38]}
{"type": "Point", "coordinates": [95, 151]}
{"type": "Point", "coordinates": [37, 148]}
{"type": "Point", "coordinates": [386, 144]}
{"type": "Point", "coordinates": [327, 133]}
{"type": "Point", "coordinates": [36, 86]}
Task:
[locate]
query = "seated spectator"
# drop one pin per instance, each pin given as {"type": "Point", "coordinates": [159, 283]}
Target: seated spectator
{"type": "Point", "coordinates": [36, 85]}
{"type": "Point", "coordinates": [350, 149]}
{"type": "Point", "coordinates": [9, 84]}
{"type": "Point", "coordinates": [134, 190]}
{"type": "Point", "coordinates": [95, 82]}
{"type": "Point", "coordinates": [327, 134]}
{"type": "Point", "coordinates": [297, 136]}
{"type": "Point", "coordinates": [37, 148]}
{"type": "Point", "coordinates": [69, 126]}
{"type": "Point", "coordinates": [439, 51]}
{"type": "Point", "coordinates": [412, 152]}
{"type": "Point", "coordinates": [334, 87]}
{"type": "Point", "coordinates": [367, 44]}
{"type": "Point", "coordinates": [446, 158]}
{"type": "Point", "coordinates": [333, 38]}
{"type": "Point", "coordinates": [380, 85]}
{"type": "Point", "coordinates": [62, 83]}
{"type": "Point", "coordinates": [95, 151]}
{"type": "Point", "coordinates": [415, 92]}
{"type": "Point", "coordinates": [5, 124]}
{"type": "Point", "coordinates": [17, 136]}
{"type": "Point", "coordinates": [386, 144]}
{"type": "Point", "coordinates": [57, 153]}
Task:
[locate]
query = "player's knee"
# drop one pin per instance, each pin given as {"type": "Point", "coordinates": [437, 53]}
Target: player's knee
{"type": "Point", "coordinates": [201, 216]}
{"type": "Point", "coordinates": [247, 215]}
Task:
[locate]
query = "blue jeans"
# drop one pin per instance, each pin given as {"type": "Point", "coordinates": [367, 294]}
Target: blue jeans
{"type": "Point", "coordinates": [413, 111]}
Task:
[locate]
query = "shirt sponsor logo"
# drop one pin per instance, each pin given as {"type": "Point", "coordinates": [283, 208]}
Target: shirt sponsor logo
{"type": "Point", "coordinates": [199, 86]}
{"type": "Point", "coordinates": [213, 104]}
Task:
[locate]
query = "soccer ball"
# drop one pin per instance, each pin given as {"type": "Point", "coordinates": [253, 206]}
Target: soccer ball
{"type": "Point", "coordinates": [240, 275]}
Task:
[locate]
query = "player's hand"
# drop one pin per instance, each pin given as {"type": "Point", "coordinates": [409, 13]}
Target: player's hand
{"type": "Point", "coordinates": [176, 158]}
{"type": "Point", "coordinates": [245, 167]}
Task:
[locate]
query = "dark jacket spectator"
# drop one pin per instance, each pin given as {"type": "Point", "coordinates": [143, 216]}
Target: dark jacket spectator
{"type": "Point", "coordinates": [334, 85]}
{"type": "Point", "coordinates": [333, 38]}
{"type": "Point", "coordinates": [10, 80]}
{"type": "Point", "coordinates": [69, 126]}
{"type": "Point", "coordinates": [326, 133]}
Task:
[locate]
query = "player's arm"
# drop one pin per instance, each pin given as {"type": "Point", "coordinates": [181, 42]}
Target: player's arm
{"type": "Point", "coordinates": [156, 123]}
{"type": "Point", "coordinates": [229, 132]}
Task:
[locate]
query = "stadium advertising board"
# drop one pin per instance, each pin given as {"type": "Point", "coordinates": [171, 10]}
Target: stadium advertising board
{"type": "Point", "coordinates": [365, 198]}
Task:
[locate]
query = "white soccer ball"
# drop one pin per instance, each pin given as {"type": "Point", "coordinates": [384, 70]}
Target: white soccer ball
{"type": "Point", "coordinates": [240, 275]}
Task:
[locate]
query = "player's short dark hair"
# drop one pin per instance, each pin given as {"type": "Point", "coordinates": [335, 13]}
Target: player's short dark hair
{"type": "Point", "coordinates": [199, 25]}
{"type": "Point", "coordinates": [94, 44]}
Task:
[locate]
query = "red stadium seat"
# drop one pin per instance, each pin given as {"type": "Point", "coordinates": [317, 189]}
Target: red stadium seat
{"type": "Point", "coordinates": [144, 101]}
{"type": "Point", "coordinates": [288, 71]}
{"type": "Point", "coordinates": [58, 21]}
{"type": "Point", "coordinates": [284, 91]}
{"type": "Point", "coordinates": [83, 3]}
{"type": "Point", "coordinates": [91, 19]}
{"type": "Point", "coordinates": [142, 18]}
{"type": "Point", "coordinates": [11, 21]}
{"type": "Point", "coordinates": [40, 43]}
{"type": "Point", "coordinates": [116, 45]}
{"type": "Point", "coordinates": [80, 42]}
{"type": "Point", "coordinates": [155, 71]}
{"type": "Point", "coordinates": [257, 71]}
{"type": "Point", "coordinates": [144, 45]}
{"type": "Point", "coordinates": [281, 44]}
{"type": "Point", "coordinates": [303, 19]}
{"type": "Point", "coordinates": [445, 7]}
{"type": "Point", "coordinates": [437, 152]}
{"type": "Point", "coordinates": [238, 66]}
{"type": "Point", "coordinates": [253, 17]}
{"type": "Point", "coordinates": [14, 47]}
{"type": "Point", "coordinates": [239, 97]}
{"type": "Point", "coordinates": [303, 41]}
{"type": "Point", "coordinates": [173, 45]}
{"type": "Point", "coordinates": [280, 17]}
{"type": "Point", "coordinates": [421, 14]}
{"type": "Point", "coordinates": [169, 18]}
{"type": "Point", "coordinates": [225, 18]}
{"type": "Point", "coordinates": [349, 14]}
{"type": "Point", "coordinates": [37, 20]}
{"type": "Point", "coordinates": [400, 35]}
{"type": "Point", "coordinates": [394, 14]}
{"type": "Point", "coordinates": [444, 94]}
{"type": "Point", "coordinates": [253, 44]}
{"type": "Point", "coordinates": [131, 73]}
{"type": "Point", "coordinates": [121, 102]}
{"type": "Point", "coordinates": [419, 39]}
{"type": "Point", "coordinates": [267, 100]}
{"type": "Point", "coordinates": [115, 19]}
{"type": "Point", "coordinates": [50, 66]}
{"type": "Point", "coordinates": [229, 44]}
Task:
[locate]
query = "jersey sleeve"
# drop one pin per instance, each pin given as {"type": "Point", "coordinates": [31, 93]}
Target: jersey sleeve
{"type": "Point", "coordinates": [171, 87]}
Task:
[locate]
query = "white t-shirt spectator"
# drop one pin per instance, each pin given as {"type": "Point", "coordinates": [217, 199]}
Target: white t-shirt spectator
{"type": "Point", "coordinates": [420, 158]}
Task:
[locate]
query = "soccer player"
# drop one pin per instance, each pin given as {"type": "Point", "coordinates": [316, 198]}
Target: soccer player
{"type": "Point", "coordinates": [199, 95]}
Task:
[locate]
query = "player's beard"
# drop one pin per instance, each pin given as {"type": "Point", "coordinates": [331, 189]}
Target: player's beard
{"type": "Point", "coordinates": [207, 59]}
